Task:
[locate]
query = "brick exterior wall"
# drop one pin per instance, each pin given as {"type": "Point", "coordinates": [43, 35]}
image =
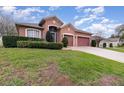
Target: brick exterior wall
{"type": "Point", "coordinates": [67, 29]}
{"type": "Point", "coordinates": [21, 30]}
{"type": "Point", "coordinates": [51, 22]}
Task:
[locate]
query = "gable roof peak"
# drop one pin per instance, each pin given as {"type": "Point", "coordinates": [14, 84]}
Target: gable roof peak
{"type": "Point", "coordinates": [49, 17]}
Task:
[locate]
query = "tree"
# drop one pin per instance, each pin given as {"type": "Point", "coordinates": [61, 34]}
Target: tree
{"type": "Point", "coordinates": [112, 36]}
{"type": "Point", "coordinates": [65, 41]}
{"type": "Point", "coordinates": [98, 36]}
{"type": "Point", "coordinates": [49, 37]}
{"type": "Point", "coordinates": [7, 26]}
{"type": "Point", "coordinates": [97, 39]}
{"type": "Point", "coordinates": [93, 43]}
{"type": "Point", "coordinates": [119, 30]}
{"type": "Point", "coordinates": [122, 37]}
{"type": "Point", "coordinates": [100, 33]}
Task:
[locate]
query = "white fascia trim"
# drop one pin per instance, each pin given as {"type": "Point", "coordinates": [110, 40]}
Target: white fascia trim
{"type": "Point", "coordinates": [26, 32]}
{"type": "Point", "coordinates": [68, 34]}
{"type": "Point", "coordinates": [52, 25]}
{"type": "Point", "coordinates": [83, 36]}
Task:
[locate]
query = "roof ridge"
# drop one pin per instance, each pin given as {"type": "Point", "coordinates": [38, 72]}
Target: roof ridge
{"type": "Point", "coordinates": [45, 18]}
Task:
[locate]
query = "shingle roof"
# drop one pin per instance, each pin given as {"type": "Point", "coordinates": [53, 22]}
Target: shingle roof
{"type": "Point", "coordinates": [113, 39]}
{"type": "Point", "coordinates": [29, 25]}
{"type": "Point", "coordinates": [77, 30]}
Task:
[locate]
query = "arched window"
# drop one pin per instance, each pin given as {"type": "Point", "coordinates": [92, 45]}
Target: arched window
{"type": "Point", "coordinates": [31, 32]}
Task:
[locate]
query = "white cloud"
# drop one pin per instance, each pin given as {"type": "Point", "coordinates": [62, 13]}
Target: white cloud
{"type": "Point", "coordinates": [8, 8]}
{"type": "Point", "coordinates": [95, 21]}
{"type": "Point", "coordinates": [98, 10]}
{"type": "Point", "coordinates": [90, 18]}
{"type": "Point", "coordinates": [53, 8]}
{"type": "Point", "coordinates": [105, 21]}
{"type": "Point", "coordinates": [76, 17]}
{"type": "Point", "coordinates": [105, 29]}
{"type": "Point", "coordinates": [90, 14]}
{"type": "Point", "coordinates": [25, 14]}
{"type": "Point", "coordinates": [87, 10]}
{"type": "Point", "coordinates": [79, 8]}
{"type": "Point", "coordinates": [97, 27]}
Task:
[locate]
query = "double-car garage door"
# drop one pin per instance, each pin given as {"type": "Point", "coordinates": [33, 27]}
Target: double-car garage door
{"type": "Point", "coordinates": [81, 41]}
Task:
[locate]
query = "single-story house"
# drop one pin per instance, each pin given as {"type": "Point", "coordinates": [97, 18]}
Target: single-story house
{"type": "Point", "coordinates": [113, 41]}
{"type": "Point", "coordinates": [76, 37]}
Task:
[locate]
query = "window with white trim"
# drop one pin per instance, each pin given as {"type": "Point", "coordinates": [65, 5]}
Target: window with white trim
{"type": "Point", "coordinates": [33, 33]}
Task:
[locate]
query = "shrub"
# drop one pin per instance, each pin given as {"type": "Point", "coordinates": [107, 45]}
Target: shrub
{"type": "Point", "coordinates": [39, 44]}
{"type": "Point", "coordinates": [110, 45]}
{"type": "Point", "coordinates": [65, 41]}
{"type": "Point", "coordinates": [104, 45]}
{"type": "Point", "coordinates": [11, 41]}
{"type": "Point", "coordinates": [122, 44]}
{"type": "Point", "coordinates": [53, 45]}
{"type": "Point", "coordinates": [93, 43]}
{"type": "Point", "coordinates": [49, 37]}
{"type": "Point", "coordinates": [22, 44]}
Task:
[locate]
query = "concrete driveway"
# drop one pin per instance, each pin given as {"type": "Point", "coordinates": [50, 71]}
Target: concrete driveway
{"type": "Point", "coordinates": [117, 56]}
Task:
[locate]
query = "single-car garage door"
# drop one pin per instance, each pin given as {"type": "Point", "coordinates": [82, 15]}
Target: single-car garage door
{"type": "Point", "coordinates": [70, 40]}
{"type": "Point", "coordinates": [83, 41]}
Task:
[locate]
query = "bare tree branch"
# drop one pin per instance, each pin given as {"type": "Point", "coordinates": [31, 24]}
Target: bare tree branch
{"type": "Point", "coordinates": [7, 26]}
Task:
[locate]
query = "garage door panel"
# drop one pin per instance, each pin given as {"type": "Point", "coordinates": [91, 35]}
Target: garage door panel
{"type": "Point", "coordinates": [70, 40]}
{"type": "Point", "coordinates": [83, 41]}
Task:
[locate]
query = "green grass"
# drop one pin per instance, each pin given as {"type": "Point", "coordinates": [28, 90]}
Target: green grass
{"type": "Point", "coordinates": [118, 49]}
{"type": "Point", "coordinates": [26, 66]}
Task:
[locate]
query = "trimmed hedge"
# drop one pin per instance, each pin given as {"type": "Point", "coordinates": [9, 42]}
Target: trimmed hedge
{"type": "Point", "coordinates": [53, 45]}
{"type": "Point", "coordinates": [39, 44]}
{"type": "Point", "coordinates": [11, 41]}
{"type": "Point", "coordinates": [22, 44]}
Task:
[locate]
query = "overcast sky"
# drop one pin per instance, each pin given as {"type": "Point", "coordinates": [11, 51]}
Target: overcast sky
{"type": "Point", "coordinates": [91, 19]}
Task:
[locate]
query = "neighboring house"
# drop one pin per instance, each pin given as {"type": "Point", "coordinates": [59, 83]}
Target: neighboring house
{"type": "Point", "coordinates": [76, 37]}
{"type": "Point", "coordinates": [113, 41]}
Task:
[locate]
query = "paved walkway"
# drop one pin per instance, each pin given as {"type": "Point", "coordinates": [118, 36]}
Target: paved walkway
{"type": "Point", "coordinates": [117, 56]}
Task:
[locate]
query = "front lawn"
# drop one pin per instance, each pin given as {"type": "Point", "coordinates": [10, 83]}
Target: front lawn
{"type": "Point", "coordinates": [57, 67]}
{"type": "Point", "coordinates": [118, 49]}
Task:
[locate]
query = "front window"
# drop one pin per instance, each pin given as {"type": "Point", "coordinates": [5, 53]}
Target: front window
{"type": "Point", "coordinates": [33, 33]}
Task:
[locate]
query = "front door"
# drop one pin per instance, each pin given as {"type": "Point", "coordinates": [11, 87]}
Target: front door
{"type": "Point", "coordinates": [54, 36]}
